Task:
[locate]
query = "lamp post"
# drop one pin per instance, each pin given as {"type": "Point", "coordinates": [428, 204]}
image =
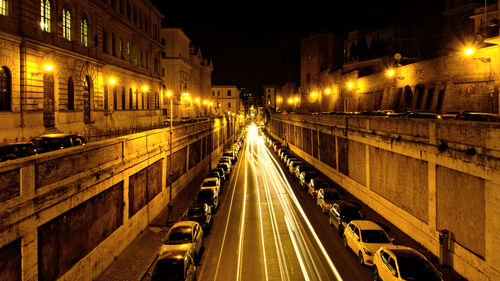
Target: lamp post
{"type": "Point", "coordinates": [170, 174]}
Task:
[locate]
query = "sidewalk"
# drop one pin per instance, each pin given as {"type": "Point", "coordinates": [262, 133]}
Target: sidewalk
{"type": "Point", "coordinates": [135, 261]}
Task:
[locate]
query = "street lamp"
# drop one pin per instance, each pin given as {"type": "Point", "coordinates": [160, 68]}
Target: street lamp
{"type": "Point", "coordinates": [170, 174]}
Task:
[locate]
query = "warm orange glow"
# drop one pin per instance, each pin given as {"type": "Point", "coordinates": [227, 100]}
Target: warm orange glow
{"type": "Point", "coordinates": [211, 103]}
{"type": "Point", "coordinates": [48, 67]}
{"type": "Point", "coordinates": [469, 51]}
{"type": "Point", "coordinates": [112, 81]}
{"type": "Point", "coordinates": [390, 72]}
{"type": "Point", "coordinates": [290, 100]}
{"type": "Point", "coordinates": [313, 95]}
{"type": "Point", "coordinates": [328, 91]}
{"type": "Point", "coordinates": [205, 102]}
{"type": "Point", "coordinates": [350, 85]}
{"type": "Point", "coordinates": [197, 100]}
{"type": "Point", "coordinates": [169, 94]}
{"type": "Point", "coordinates": [145, 88]}
{"type": "Point", "coordinates": [279, 100]}
{"type": "Point", "coordinates": [296, 99]}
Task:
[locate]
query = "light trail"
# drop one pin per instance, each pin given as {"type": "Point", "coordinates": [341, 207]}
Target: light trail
{"type": "Point", "coordinates": [242, 222]}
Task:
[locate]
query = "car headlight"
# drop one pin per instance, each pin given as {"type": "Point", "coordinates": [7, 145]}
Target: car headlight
{"type": "Point", "coordinates": [368, 252]}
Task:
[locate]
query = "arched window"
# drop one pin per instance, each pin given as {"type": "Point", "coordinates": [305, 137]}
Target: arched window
{"type": "Point", "coordinates": [5, 89]}
{"type": "Point", "coordinates": [124, 99]}
{"type": "Point", "coordinates": [84, 31]}
{"type": "Point", "coordinates": [104, 41]}
{"type": "Point", "coordinates": [228, 105]}
{"type": "Point", "coordinates": [45, 15]}
{"type": "Point", "coordinates": [71, 94]}
{"type": "Point", "coordinates": [67, 24]}
{"type": "Point", "coordinates": [4, 10]}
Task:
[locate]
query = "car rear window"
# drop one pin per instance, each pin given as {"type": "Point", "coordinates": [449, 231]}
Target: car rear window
{"type": "Point", "coordinates": [169, 270]}
{"type": "Point", "coordinates": [179, 235]}
{"type": "Point", "coordinates": [374, 236]}
{"type": "Point", "coordinates": [413, 267]}
{"type": "Point", "coordinates": [205, 194]}
{"type": "Point", "coordinates": [209, 183]}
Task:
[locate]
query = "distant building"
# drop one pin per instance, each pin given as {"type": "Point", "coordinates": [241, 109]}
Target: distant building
{"type": "Point", "coordinates": [186, 74]}
{"type": "Point", "coordinates": [226, 98]}
{"type": "Point", "coordinates": [270, 95]}
{"type": "Point", "coordinates": [78, 66]}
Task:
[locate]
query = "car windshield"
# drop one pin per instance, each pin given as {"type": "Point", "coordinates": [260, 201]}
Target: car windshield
{"type": "Point", "coordinates": [374, 236]}
{"type": "Point", "coordinates": [210, 183]}
{"type": "Point", "coordinates": [205, 194]}
{"type": "Point", "coordinates": [195, 211]}
{"type": "Point", "coordinates": [350, 213]}
{"type": "Point", "coordinates": [332, 195]}
{"type": "Point", "coordinates": [213, 175]}
{"type": "Point", "coordinates": [228, 154]}
{"type": "Point", "coordinates": [169, 270]}
{"type": "Point", "coordinates": [179, 235]}
{"type": "Point", "coordinates": [413, 267]}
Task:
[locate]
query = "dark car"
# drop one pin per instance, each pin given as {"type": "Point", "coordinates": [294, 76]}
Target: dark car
{"type": "Point", "coordinates": [202, 214]}
{"type": "Point", "coordinates": [221, 173]}
{"type": "Point", "coordinates": [423, 115]}
{"type": "Point", "coordinates": [342, 213]}
{"type": "Point", "coordinates": [477, 116]}
{"type": "Point", "coordinates": [231, 154]}
{"type": "Point", "coordinates": [52, 142]}
{"type": "Point", "coordinates": [303, 168]}
{"type": "Point", "coordinates": [11, 151]}
{"type": "Point", "coordinates": [215, 174]}
{"type": "Point", "coordinates": [209, 196]}
{"type": "Point", "coordinates": [175, 266]}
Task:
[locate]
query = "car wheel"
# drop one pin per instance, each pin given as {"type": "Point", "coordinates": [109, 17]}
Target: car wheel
{"type": "Point", "coordinates": [361, 259]}
{"type": "Point", "coordinates": [376, 277]}
{"type": "Point", "coordinates": [345, 242]}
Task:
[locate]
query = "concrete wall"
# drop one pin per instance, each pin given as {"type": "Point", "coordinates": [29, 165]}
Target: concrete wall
{"type": "Point", "coordinates": [421, 175]}
{"type": "Point", "coordinates": [65, 215]}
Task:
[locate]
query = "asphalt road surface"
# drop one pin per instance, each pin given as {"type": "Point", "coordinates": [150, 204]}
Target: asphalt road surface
{"type": "Point", "coordinates": [267, 228]}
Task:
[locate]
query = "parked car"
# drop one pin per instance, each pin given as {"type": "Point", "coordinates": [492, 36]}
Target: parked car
{"type": "Point", "coordinates": [230, 153]}
{"type": "Point", "coordinates": [216, 174]}
{"type": "Point", "coordinates": [403, 263]}
{"type": "Point", "coordinates": [327, 197]}
{"type": "Point", "coordinates": [423, 115]}
{"type": "Point", "coordinates": [202, 214]}
{"type": "Point", "coordinates": [221, 173]}
{"type": "Point", "coordinates": [293, 165]}
{"type": "Point", "coordinates": [229, 159]}
{"type": "Point", "coordinates": [11, 151]}
{"type": "Point", "coordinates": [290, 159]}
{"type": "Point", "coordinates": [317, 183]}
{"type": "Point", "coordinates": [211, 182]}
{"type": "Point", "coordinates": [342, 213]}
{"type": "Point", "coordinates": [477, 116]}
{"type": "Point", "coordinates": [226, 167]}
{"type": "Point", "coordinates": [226, 160]}
{"type": "Point", "coordinates": [184, 235]}
{"type": "Point", "coordinates": [176, 265]}
{"type": "Point", "coordinates": [305, 178]}
{"type": "Point", "coordinates": [303, 168]}
{"type": "Point", "coordinates": [364, 238]}
{"type": "Point", "coordinates": [52, 142]}
{"type": "Point", "coordinates": [210, 196]}
{"type": "Point", "coordinates": [450, 114]}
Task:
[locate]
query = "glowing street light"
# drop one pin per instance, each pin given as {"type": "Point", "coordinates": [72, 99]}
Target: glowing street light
{"type": "Point", "coordinates": [350, 85]}
{"type": "Point", "coordinates": [313, 95]}
{"type": "Point", "coordinates": [296, 100]}
{"type": "Point", "coordinates": [169, 94]}
{"type": "Point", "coordinates": [290, 100]}
{"type": "Point", "coordinates": [328, 91]}
{"type": "Point", "coordinates": [145, 88]}
{"type": "Point", "coordinates": [279, 99]}
{"type": "Point", "coordinates": [112, 81]}
{"type": "Point", "coordinates": [469, 51]}
{"type": "Point", "coordinates": [48, 67]}
{"type": "Point", "coordinates": [390, 72]}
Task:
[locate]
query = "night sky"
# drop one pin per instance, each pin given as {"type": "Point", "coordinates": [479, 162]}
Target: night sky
{"type": "Point", "coordinates": [256, 42]}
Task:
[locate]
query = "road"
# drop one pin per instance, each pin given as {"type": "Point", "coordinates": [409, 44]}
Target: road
{"type": "Point", "coordinates": [267, 228]}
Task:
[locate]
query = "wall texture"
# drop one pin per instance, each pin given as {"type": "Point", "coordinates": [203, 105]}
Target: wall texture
{"type": "Point", "coordinates": [65, 215]}
{"type": "Point", "coordinates": [422, 175]}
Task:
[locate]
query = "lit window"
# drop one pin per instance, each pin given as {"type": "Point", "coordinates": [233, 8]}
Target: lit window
{"type": "Point", "coordinates": [45, 15]}
{"type": "Point", "coordinates": [67, 24]}
{"type": "Point", "coordinates": [3, 7]}
{"type": "Point", "coordinates": [121, 49]}
{"type": "Point", "coordinates": [128, 52]}
{"type": "Point", "coordinates": [5, 88]}
{"type": "Point", "coordinates": [85, 32]}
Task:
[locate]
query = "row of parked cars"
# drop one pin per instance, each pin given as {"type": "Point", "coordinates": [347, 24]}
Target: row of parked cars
{"type": "Point", "coordinates": [181, 248]}
{"type": "Point", "coordinates": [454, 115]}
{"type": "Point", "coordinates": [38, 145]}
{"type": "Point", "coordinates": [367, 239]}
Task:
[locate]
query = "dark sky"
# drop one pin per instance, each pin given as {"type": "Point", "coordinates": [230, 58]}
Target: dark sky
{"type": "Point", "coordinates": [257, 42]}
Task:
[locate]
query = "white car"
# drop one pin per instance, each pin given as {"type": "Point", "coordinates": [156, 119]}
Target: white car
{"type": "Point", "coordinates": [365, 238]}
{"type": "Point", "coordinates": [326, 197]}
{"type": "Point", "coordinates": [403, 263]}
{"type": "Point", "coordinates": [184, 235]}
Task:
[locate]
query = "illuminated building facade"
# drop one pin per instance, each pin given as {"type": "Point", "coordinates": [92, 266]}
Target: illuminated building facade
{"type": "Point", "coordinates": [226, 98]}
{"type": "Point", "coordinates": [80, 66]}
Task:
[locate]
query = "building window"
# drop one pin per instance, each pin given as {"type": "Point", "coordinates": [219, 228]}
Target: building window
{"type": "Point", "coordinates": [228, 105]}
{"type": "Point", "coordinates": [130, 98]}
{"type": "Point", "coordinates": [121, 6]}
{"type": "Point", "coordinates": [136, 100]}
{"type": "Point", "coordinates": [67, 24]}
{"type": "Point", "coordinates": [128, 10]}
{"type": "Point", "coordinates": [163, 72]}
{"type": "Point", "coordinates": [71, 94]}
{"type": "Point", "coordinates": [5, 89]}
{"type": "Point", "coordinates": [124, 99]}
{"type": "Point", "coordinates": [113, 46]}
{"type": "Point", "coordinates": [228, 93]}
{"type": "Point", "coordinates": [268, 96]}
{"type": "Point", "coordinates": [218, 93]}
{"type": "Point", "coordinates": [115, 99]}
{"type": "Point", "coordinates": [104, 41]}
{"type": "Point", "coordinates": [121, 49]}
{"type": "Point", "coordinates": [213, 93]}
{"type": "Point", "coordinates": [4, 8]}
{"type": "Point", "coordinates": [135, 55]}
{"type": "Point", "coordinates": [128, 52]}
{"type": "Point", "coordinates": [106, 98]}
{"type": "Point", "coordinates": [84, 32]}
{"type": "Point", "coordinates": [45, 15]}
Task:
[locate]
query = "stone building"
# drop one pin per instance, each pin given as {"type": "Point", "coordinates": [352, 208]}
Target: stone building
{"type": "Point", "coordinates": [271, 93]}
{"type": "Point", "coordinates": [186, 74]}
{"type": "Point", "coordinates": [78, 66]}
{"type": "Point", "coordinates": [226, 98]}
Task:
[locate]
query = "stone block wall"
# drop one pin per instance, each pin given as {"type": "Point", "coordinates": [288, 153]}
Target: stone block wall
{"type": "Point", "coordinates": [422, 175]}
{"type": "Point", "coordinates": [65, 215]}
